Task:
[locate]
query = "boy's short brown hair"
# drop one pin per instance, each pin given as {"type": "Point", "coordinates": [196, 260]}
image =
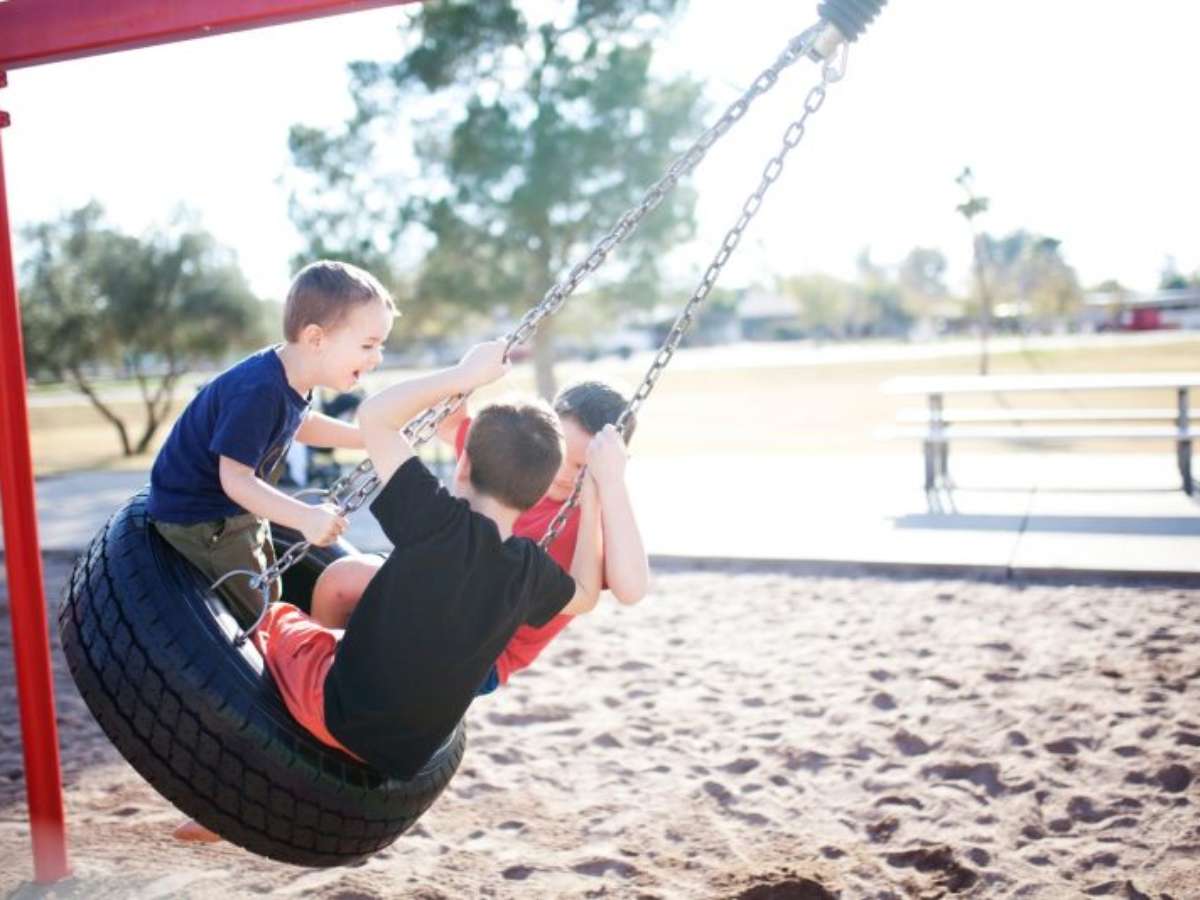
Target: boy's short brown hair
{"type": "Point", "coordinates": [515, 449]}
{"type": "Point", "coordinates": [323, 292]}
{"type": "Point", "coordinates": [594, 404]}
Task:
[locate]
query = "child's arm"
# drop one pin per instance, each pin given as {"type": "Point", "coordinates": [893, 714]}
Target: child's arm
{"type": "Point", "coordinates": [320, 430]}
{"type": "Point", "coordinates": [587, 563]}
{"type": "Point", "coordinates": [320, 525]}
{"type": "Point", "coordinates": [382, 416]}
{"type": "Point", "coordinates": [626, 569]}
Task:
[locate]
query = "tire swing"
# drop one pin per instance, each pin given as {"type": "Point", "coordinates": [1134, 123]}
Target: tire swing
{"type": "Point", "coordinates": [174, 683]}
{"type": "Point", "coordinates": [154, 653]}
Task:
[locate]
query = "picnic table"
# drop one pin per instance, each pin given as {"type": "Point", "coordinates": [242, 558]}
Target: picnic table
{"type": "Point", "coordinates": [1043, 424]}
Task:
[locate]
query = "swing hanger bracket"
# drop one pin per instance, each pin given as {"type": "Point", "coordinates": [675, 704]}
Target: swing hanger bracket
{"type": "Point", "coordinates": [849, 17]}
{"type": "Point", "coordinates": [826, 43]}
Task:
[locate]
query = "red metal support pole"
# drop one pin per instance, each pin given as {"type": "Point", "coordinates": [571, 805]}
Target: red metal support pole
{"type": "Point", "coordinates": [27, 597]}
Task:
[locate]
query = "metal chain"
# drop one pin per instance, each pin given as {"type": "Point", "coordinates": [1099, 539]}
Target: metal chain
{"type": "Point", "coordinates": [351, 491]}
{"type": "Point", "coordinates": [807, 42]}
{"type": "Point", "coordinates": [831, 72]}
{"type": "Point", "coordinates": [554, 298]}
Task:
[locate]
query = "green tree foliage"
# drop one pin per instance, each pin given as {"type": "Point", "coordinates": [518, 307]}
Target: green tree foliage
{"type": "Point", "coordinates": [1172, 279]}
{"type": "Point", "coordinates": [94, 300]}
{"type": "Point", "coordinates": [825, 305]}
{"type": "Point", "coordinates": [921, 277]}
{"type": "Point", "coordinates": [1028, 272]}
{"type": "Point", "coordinates": [880, 309]}
{"type": "Point", "coordinates": [533, 127]}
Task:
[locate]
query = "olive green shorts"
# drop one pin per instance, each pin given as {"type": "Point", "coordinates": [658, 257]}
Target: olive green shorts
{"type": "Point", "coordinates": [226, 545]}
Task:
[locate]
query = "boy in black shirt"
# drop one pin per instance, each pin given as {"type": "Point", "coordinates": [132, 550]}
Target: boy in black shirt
{"type": "Point", "coordinates": [443, 606]}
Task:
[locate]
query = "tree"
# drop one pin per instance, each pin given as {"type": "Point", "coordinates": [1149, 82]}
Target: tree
{"type": "Point", "coordinates": [1171, 278]}
{"type": "Point", "coordinates": [973, 206]}
{"type": "Point", "coordinates": [922, 281]}
{"type": "Point", "coordinates": [539, 125]}
{"type": "Point", "coordinates": [825, 305]}
{"type": "Point", "coordinates": [880, 309]}
{"type": "Point", "coordinates": [1029, 269]}
{"type": "Point", "coordinates": [94, 299]}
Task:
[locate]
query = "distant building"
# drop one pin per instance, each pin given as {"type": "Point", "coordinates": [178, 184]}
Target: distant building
{"type": "Point", "coordinates": [1170, 308]}
{"type": "Point", "coordinates": [763, 316]}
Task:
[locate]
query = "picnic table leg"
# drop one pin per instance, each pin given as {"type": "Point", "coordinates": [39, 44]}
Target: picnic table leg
{"type": "Point", "coordinates": [1183, 447]}
{"type": "Point", "coordinates": [937, 449]}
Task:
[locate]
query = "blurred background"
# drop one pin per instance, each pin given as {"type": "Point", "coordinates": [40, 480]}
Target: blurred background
{"type": "Point", "coordinates": [1016, 171]}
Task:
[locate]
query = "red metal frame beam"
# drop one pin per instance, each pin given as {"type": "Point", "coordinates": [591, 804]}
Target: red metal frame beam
{"type": "Point", "coordinates": [42, 31]}
{"type": "Point", "coordinates": [27, 596]}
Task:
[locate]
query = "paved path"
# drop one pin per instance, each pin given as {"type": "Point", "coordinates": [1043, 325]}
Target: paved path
{"type": "Point", "coordinates": [1011, 513]}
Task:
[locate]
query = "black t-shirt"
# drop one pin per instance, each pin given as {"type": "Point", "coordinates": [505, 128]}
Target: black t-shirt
{"type": "Point", "coordinates": [431, 622]}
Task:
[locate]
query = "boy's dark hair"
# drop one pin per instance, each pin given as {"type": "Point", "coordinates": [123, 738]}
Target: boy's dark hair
{"type": "Point", "coordinates": [594, 404]}
{"type": "Point", "coordinates": [323, 292]}
{"type": "Point", "coordinates": [515, 450]}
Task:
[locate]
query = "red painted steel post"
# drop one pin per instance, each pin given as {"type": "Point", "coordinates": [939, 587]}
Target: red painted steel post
{"type": "Point", "coordinates": [27, 598]}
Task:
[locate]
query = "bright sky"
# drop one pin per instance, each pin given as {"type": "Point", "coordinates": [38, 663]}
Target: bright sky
{"type": "Point", "coordinates": [1077, 117]}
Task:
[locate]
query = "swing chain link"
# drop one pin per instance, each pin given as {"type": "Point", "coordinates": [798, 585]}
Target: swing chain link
{"type": "Point", "coordinates": [352, 490]}
{"type": "Point", "coordinates": [801, 45]}
{"type": "Point", "coordinates": [832, 71]}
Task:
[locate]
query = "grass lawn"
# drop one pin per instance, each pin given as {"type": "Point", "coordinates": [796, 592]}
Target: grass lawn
{"type": "Point", "coordinates": [747, 407]}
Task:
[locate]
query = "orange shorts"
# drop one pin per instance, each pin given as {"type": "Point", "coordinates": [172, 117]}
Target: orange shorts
{"type": "Point", "coordinates": [299, 652]}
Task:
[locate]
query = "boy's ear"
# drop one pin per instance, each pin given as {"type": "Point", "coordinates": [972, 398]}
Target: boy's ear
{"type": "Point", "coordinates": [312, 336]}
{"type": "Point", "coordinates": [462, 474]}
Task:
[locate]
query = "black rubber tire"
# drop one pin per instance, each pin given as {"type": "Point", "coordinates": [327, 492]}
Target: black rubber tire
{"type": "Point", "coordinates": [151, 651]}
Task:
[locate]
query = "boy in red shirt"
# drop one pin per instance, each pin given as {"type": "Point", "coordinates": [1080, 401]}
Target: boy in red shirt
{"type": "Point", "coordinates": [584, 410]}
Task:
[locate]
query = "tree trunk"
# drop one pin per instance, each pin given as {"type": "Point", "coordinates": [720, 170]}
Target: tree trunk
{"type": "Point", "coordinates": [543, 341]}
{"type": "Point", "coordinates": [543, 360]}
{"type": "Point", "coordinates": [88, 391]}
{"type": "Point", "coordinates": [985, 309]}
{"type": "Point", "coordinates": [158, 407]}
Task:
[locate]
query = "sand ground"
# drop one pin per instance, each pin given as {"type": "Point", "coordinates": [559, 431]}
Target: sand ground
{"type": "Point", "coordinates": [753, 736]}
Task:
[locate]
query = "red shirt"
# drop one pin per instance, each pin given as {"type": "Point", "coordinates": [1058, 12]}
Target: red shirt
{"type": "Point", "coordinates": [525, 645]}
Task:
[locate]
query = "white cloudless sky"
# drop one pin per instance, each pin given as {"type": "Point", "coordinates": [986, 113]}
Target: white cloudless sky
{"type": "Point", "coordinates": [1077, 116]}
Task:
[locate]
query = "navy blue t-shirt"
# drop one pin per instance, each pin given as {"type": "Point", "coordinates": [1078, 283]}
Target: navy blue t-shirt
{"type": "Point", "coordinates": [249, 413]}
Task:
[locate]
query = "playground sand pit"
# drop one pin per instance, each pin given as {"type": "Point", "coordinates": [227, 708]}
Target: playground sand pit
{"type": "Point", "coordinates": [753, 736]}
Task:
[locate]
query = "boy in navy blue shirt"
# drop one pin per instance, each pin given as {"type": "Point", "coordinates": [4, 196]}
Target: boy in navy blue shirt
{"type": "Point", "coordinates": [211, 493]}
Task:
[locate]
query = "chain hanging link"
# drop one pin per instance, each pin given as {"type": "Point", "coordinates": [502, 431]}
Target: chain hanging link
{"type": "Point", "coordinates": [351, 491]}
{"type": "Point", "coordinates": [831, 72]}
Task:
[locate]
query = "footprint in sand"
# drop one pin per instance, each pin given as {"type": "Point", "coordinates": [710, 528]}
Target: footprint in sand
{"type": "Point", "coordinates": [601, 867]}
{"type": "Point", "coordinates": [1069, 746]}
{"type": "Point", "coordinates": [883, 701]}
{"type": "Point", "coordinates": [951, 874]}
{"type": "Point", "coordinates": [1174, 778]}
{"type": "Point", "coordinates": [518, 873]}
{"type": "Point", "coordinates": [740, 766]}
{"type": "Point", "coordinates": [984, 775]}
{"type": "Point", "coordinates": [910, 744]}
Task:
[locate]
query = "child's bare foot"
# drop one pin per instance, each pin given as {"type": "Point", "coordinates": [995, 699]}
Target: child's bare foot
{"type": "Point", "coordinates": [191, 830]}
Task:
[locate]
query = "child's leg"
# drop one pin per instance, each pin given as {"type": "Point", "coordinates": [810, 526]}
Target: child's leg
{"type": "Point", "coordinates": [298, 653]}
{"type": "Point", "coordinates": [339, 588]}
{"type": "Point", "coordinates": [225, 545]}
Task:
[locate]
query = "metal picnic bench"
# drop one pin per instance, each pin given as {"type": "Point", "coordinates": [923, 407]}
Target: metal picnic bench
{"type": "Point", "coordinates": [1042, 425]}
